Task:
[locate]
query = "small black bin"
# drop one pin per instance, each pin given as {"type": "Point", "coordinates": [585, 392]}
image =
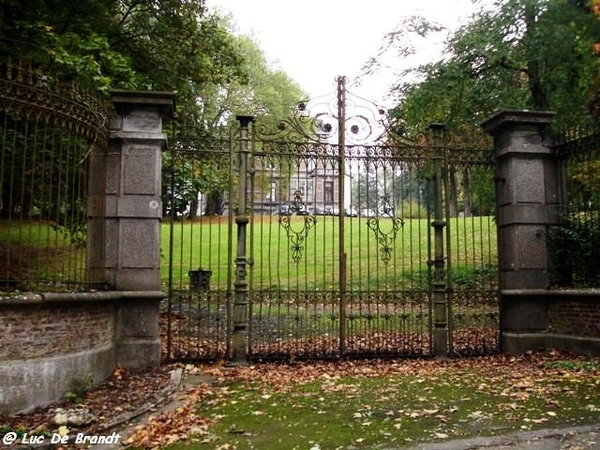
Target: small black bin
{"type": "Point", "coordinates": [199, 279]}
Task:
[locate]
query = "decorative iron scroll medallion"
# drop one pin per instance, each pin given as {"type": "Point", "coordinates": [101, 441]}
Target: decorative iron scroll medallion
{"type": "Point", "coordinates": [297, 237]}
{"type": "Point", "coordinates": [386, 239]}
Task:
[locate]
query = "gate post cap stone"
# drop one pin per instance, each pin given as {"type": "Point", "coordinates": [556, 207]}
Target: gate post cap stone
{"type": "Point", "coordinates": [437, 126]}
{"type": "Point", "coordinates": [244, 119]}
{"type": "Point", "coordinates": [511, 117]}
{"type": "Point", "coordinates": [125, 100]}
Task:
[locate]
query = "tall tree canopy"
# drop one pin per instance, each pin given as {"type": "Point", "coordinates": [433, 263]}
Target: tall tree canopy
{"type": "Point", "coordinates": [534, 54]}
{"type": "Point", "coordinates": [267, 94]}
{"type": "Point", "coordinates": [522, 54]}
{"type": "Point", "coordinates": [172, 45]}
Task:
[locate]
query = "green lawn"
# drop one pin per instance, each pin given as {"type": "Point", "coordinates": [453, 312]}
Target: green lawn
{"type": "Point", "coordinates": [37, 255]}
{"type": "Point", "coordinates": [379, 260]}
{"type": "Point", "coordinates": [205, 244]}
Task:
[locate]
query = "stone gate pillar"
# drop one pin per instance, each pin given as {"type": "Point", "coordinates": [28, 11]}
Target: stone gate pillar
{"type": "Point", "coordinates": [527, 206]}
{"type": "Point", "coordinates": [125, 216]}
{"type": "Point", "coordinates": [133, 201]}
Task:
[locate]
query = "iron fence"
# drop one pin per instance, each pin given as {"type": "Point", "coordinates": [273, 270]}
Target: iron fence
{"type": "Point", "coordinates": [46, 134]}
{"type": "Point", "coordinates": [575, 243]}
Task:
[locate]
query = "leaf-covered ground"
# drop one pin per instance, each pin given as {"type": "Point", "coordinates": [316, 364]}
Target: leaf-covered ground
{"type": "Point", "coordinates": [348, 404]}
{"type": "Point", "coordinates": [124, 393]}
{"type": "Point", "coordinates": [367, 404]}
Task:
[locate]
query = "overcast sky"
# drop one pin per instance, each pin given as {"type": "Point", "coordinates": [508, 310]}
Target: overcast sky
{"type": "Point", "coordinates": [313, 41]}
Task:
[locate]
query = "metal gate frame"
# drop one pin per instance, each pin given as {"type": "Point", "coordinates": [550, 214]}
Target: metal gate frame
{"type": "Point", "coordinates": [320, 130]}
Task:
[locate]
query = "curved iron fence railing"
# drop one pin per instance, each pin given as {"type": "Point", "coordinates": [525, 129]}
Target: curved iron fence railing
{"type": "Point", "coordinates": [47, 131]}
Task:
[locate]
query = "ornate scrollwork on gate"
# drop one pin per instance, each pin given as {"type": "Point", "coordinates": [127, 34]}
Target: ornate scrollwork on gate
{"type": "Point", "coordinates": [297, 237]}
{"type": "Point", "coordinates": [385, 239]}
{"type": "Point", "coordinates": [317, 121]}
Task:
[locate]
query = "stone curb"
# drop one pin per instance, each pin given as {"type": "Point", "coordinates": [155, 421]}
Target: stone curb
{"type": "Point", "coordinates": [542, 439]}
{"type": "Point", "coordinates": [124, 421]}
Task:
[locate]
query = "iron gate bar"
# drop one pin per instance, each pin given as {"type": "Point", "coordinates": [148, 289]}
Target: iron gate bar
{"type": "Point", "coordinates": [229, 290]}
{"type": "Point", "coordinates": [448, 245]}
{"type": "Point", "coordinates": [341, 104]}
{"type": "Point", "coordinates": [170, 291]}
{"type": "Point", "coordinates": [250, 259]}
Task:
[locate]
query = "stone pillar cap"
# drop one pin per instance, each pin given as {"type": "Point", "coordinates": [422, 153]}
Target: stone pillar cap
{"type": "Point", "coordinates": [125, 100]}
{"type": "Point", "coordinates": [514, 117]}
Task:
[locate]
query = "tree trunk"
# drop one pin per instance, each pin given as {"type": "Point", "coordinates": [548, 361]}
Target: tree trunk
{"type": "Point", "coordinates": [214, 204]}
{"type": "Point", "coordinates": [194, 204]}
{"type": "Point", "coordinates": [467, 193]}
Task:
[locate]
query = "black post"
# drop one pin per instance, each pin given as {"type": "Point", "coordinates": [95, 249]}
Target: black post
{"type": "Point", "coordinates": [239, 337]}
{"type": "Point", "coordinates": [440, 312]}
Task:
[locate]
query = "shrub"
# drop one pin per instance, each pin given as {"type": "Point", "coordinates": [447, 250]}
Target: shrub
{"type": "Point", "coordinates": [411, 209]}
{"type": "Point", "coordinates": [574, 254]}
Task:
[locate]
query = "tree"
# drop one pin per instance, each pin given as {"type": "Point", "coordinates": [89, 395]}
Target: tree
{"type": "Point", "coordinates": [171, 45]}
{"type": "Point", "coordinates": [595, 96]}
{"type": "Point", "coordinates": [365, 194]}
{"type": "Point", "coordinates": [523, 54]}
{"type": "Point", "coordinates": [267, 94]}
{"type": "Point", "coordinates": [127, 44]}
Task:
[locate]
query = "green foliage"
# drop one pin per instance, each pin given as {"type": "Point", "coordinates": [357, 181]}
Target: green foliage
{"type": "Point", "coordinates": [574, 248]}
{"type": "Point", "coordinates": [42, 175]}
{"type": "Point", "coordinates": [72, 397]}
{"type": "Point", "coordinates": [127, 44]}
{"type": "Point", "coordinates": [482, 192]}
{"type": "Point", "coordinates": [7, 429]}
{"type": "Point", "coordinates": [91, 60]}
{"type": "Point", "coordinates": [573, 365]}
{"type": "Point", "coordinates": [267, 94]}
{"type": "Point", "coordinates": [465, 278]}
{"type": "Point", "coordinates": [365, 192]}
{"type": "Point", "coordinates": [520, 54]}
{"type": "Point", "coordinates": [165, 45]}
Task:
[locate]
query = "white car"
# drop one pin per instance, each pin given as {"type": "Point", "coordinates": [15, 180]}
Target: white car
{"type": "Point", "coordinates": [350, 211]}
{"type": "Point", "coordinates": [367, 212]}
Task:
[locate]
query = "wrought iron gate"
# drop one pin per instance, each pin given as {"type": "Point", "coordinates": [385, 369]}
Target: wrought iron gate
{"type": "Point", "coordinates": [332, 237]}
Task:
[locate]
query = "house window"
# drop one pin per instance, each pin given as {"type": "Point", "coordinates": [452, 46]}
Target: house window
{"type": "Point", "coordinates": [328, 187]}
{"type": "Point", "coordinates": [309, 189]}
{"type": "Point", "coordinates": [306, 188]}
